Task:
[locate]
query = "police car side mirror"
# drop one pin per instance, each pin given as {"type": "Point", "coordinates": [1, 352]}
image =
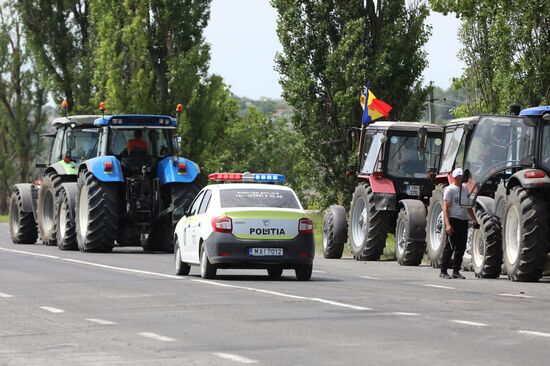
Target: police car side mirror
{"type": "Point", "coordinates": [178, 213]}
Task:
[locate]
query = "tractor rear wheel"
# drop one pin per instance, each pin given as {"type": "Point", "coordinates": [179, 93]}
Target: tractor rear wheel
{"type": "Point", "coordinates": [46, 210]}
{"type": "Point", "coordinates": [435, 227]}
{"type": "Point", "coordinates": [96, 214]}
{"type": "Point", "coordinates": [368, 227]}
{"type": "Point", "coordinates": [162, 233]}
{"type": "Point", "coordinates": [335, 232]}
{"type": "Point", "coordinates": [525, 235]}
{"type": "Point", "coordinates": [22, 224]}
{"type": "Point", "coordinates": [407, 252]}
{"type": "Point", "coordinates": [486, 245]}
{"type": "Point", "coordinates": [66, 233]}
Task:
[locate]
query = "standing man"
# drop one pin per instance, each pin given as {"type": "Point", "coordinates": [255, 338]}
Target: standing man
{"type": "Point", "coordinates": [456, 225]}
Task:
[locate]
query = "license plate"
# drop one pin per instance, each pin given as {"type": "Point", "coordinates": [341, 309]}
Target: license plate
{"type": "Point", "coordinates": [265, 252]}
{"type": "Point", "coordinates": [412, 190]}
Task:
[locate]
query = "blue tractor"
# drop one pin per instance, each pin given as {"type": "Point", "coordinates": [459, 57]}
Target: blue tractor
{"type": "Point", "coordinates": [134, 190]}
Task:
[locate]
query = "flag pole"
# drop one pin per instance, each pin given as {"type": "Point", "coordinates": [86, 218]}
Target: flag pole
{"type": "Point", "coordinates": [363, 125]}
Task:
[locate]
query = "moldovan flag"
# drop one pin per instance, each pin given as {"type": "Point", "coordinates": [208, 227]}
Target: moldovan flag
{"type": "Point", "coordinates": [376, 108]}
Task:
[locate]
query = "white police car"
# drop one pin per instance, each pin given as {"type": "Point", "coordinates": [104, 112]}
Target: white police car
{"type": "Point", "coordinates": [245, 224]}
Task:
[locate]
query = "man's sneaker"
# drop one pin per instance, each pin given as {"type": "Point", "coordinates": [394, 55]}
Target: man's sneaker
{"type": "Point", "coordinates": [444, 275]}
{"type": "Point", "coordinates": [457, 275]}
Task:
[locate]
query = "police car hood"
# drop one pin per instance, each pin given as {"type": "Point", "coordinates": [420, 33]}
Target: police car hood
{"type": "Point", "coordinates": [265, 223]}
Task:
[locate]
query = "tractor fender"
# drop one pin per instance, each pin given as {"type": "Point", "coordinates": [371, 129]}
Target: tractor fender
{"type": "Point", "coordinates": [487, 204]}
{"type": "Point", "coordinates": [416, 213]}
{"type": "Point", "coordinates": [71, 191]}
{"type": "Point", "coordinates": [96, 167]}
{"type": "Point", "coordinates": [519, 179]}
{"type": "Point", "coordinates": [29, 194]}
{"type": "Point", "coordinates": [384, 193]}
{"type": "Point", "coordinates": [62, 168]}
{"type": "Point", "coordinates": [167, 170]}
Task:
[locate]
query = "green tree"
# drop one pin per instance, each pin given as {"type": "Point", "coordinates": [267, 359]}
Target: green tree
{"type": "Point", "coordinates": [330, 50]}
{"type": "Point", "coordinates": [60, 36]}
{"type": "Point", "coordinates": [505, 48]}
{"type": "Point", "coordinates": [22, 99]}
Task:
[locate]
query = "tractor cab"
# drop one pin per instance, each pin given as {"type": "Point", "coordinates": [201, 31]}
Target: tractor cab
{"type": "Point", "coordinates": [402, 154]}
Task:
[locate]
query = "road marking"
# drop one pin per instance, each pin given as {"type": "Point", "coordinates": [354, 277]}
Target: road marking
{"type": "Point", "coordinates": [466, 322]}
{"type": "Point", "coordinates": [314, 271]}
{"type": "Point", "coordinates": [517, 295]}
{"type": "Point", "coordinates": [52, 310]}
{"type": "Point", "coordinates": [236, 358]}
{"type": "Point", "coordinates": [281, 294]}
{"type": "Point", "coordinates": [157, 337]}
{"type": "Point", "coordinates": [369, 278]}
{"type": "Point", "coordinates": [405, 314]}
{"type": "Point", "coordinates": [101, 321]}
{"type": "Point", "coordinates": [5, 295]}
{"type": "Point", "coordinates": [530, 332]}
{"type": "Point", "coordinates": [275, 293]}
{"type": "Point", "coordinates": [440, 286]}
{"type": "Point", "coordinates": [30, 253]}
{"type": "Point", "coordinates": [123, 269]}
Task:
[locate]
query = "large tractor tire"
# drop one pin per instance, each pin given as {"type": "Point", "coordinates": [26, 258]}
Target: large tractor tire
{"type": "Point", "coordinates": [23, 228]}
{"type": "Point", "coordinates": [525, 235]}
{"type": "Point", "coordinates": [486, 245]}
{"type": "Point", "coordinates": [66, 232]}
{"type": "Point", "coordinates": [335, 232]}
{"type": "Point", "coordinates": [162, 233]}
{"type": "Point", "coordinates": [435, 227]}
{"type": "Point", "coordinates": [46, 210]}
{"type": "Point", "coordinates": [97, 212]}
{"type": "Point", "coordinates": [408, 252]}
{"type": "Point", "coordinates": [368, 228]}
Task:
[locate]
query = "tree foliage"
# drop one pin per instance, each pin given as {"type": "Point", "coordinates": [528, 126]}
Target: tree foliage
{"type": "Point", "coordinates": [330, 49]}
{"type": "Point", "coordinates": [22, 100]}
{"type": "Point", "coordinates": [60, 36]}
{"type": "Point", "coordinates": [505, 48]}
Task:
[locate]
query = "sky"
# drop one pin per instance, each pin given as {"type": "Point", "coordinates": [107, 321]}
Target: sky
{"type": "Point", "coordinates": [243, 37]}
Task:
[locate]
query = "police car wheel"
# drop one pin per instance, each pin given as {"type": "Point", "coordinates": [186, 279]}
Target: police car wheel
{"type": "Point", "coordinates": [274, 272]}
{"type": "Point", "coordinates": [208, 270]}
{"type": "Point", "coordinates": [303, 272]}
{"type": "Point", "coordinates": [182, 268]}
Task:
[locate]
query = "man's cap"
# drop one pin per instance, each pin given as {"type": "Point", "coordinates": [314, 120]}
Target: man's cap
{"type": "Point", "coordinates": [457, 172]}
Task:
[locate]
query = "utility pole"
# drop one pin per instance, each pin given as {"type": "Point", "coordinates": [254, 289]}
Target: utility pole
{"type": "Point", "coordinates": [431, 102]}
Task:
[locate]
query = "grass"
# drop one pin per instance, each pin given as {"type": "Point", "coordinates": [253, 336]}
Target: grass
{"type": "Point", "coordinates": [4, 218]}
{"type": "Point", "coordinates": [389, 250]}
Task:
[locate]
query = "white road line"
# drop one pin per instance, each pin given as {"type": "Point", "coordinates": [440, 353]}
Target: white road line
{"type": "Point", "coordinates": [466, 322]}
{"type": "Point", "coordinates": [517, 295]}
{"type": "Point", "coordinates": [52, 310]}
{"type": "Point", "coordinates": [369, 278]}
{"type": "Point", "coordinates": [30, 253]}
{"type": "Point", "coordinates": [440, 286]}
{"type": "Point", "coordinates": [157, 337]}
{"type": "Point", "coordinates": [275, 293]}
{"type": "Point", "coordinates": [315, 271]}
{"type": "Point", "coordinates": [2, 294]}
{"type": "Point", "coordinates": [281, 294]}
{"type": "Point", "coordinates": [236, 358]}
{"type": "Point", "coordinates": [405, 314]}
{"type": "Point", "coordinates": [531, 332]}
{"type": "Point", "coordinates": [101, 321]}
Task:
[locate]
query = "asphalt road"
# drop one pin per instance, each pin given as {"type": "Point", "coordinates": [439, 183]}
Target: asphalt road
{"type": "Point", "coordinates": [127, 307]}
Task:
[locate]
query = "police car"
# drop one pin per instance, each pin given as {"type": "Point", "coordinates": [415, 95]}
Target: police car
{"type": "Point", "coordinates": [245, 221]}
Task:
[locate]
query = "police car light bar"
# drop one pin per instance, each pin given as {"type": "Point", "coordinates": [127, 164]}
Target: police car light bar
{"type": "Point", "coordinates": [247, 177]}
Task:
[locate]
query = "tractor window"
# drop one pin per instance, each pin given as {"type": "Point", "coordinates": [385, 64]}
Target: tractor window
{"type": "Point", "coordinates": [545, 150]}
{"type": "Point", "coordinates": [141, 142]}
{"type": "Point", "coordinates": [56, 153]}
{"type": "Point", "coordinates": [405, 160]}
{"type": "Point", "coordinates": [86, 142]}
{"type": "Point", "coordinates": [498, 143]}
{"type": "Point", "coordinates": [371, 157]}
{"type": "Point", "coordinates": [453, 150]}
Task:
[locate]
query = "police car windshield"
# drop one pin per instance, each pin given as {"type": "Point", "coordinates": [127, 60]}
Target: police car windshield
{"type": "Point", "coordinates": [258, 197]}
